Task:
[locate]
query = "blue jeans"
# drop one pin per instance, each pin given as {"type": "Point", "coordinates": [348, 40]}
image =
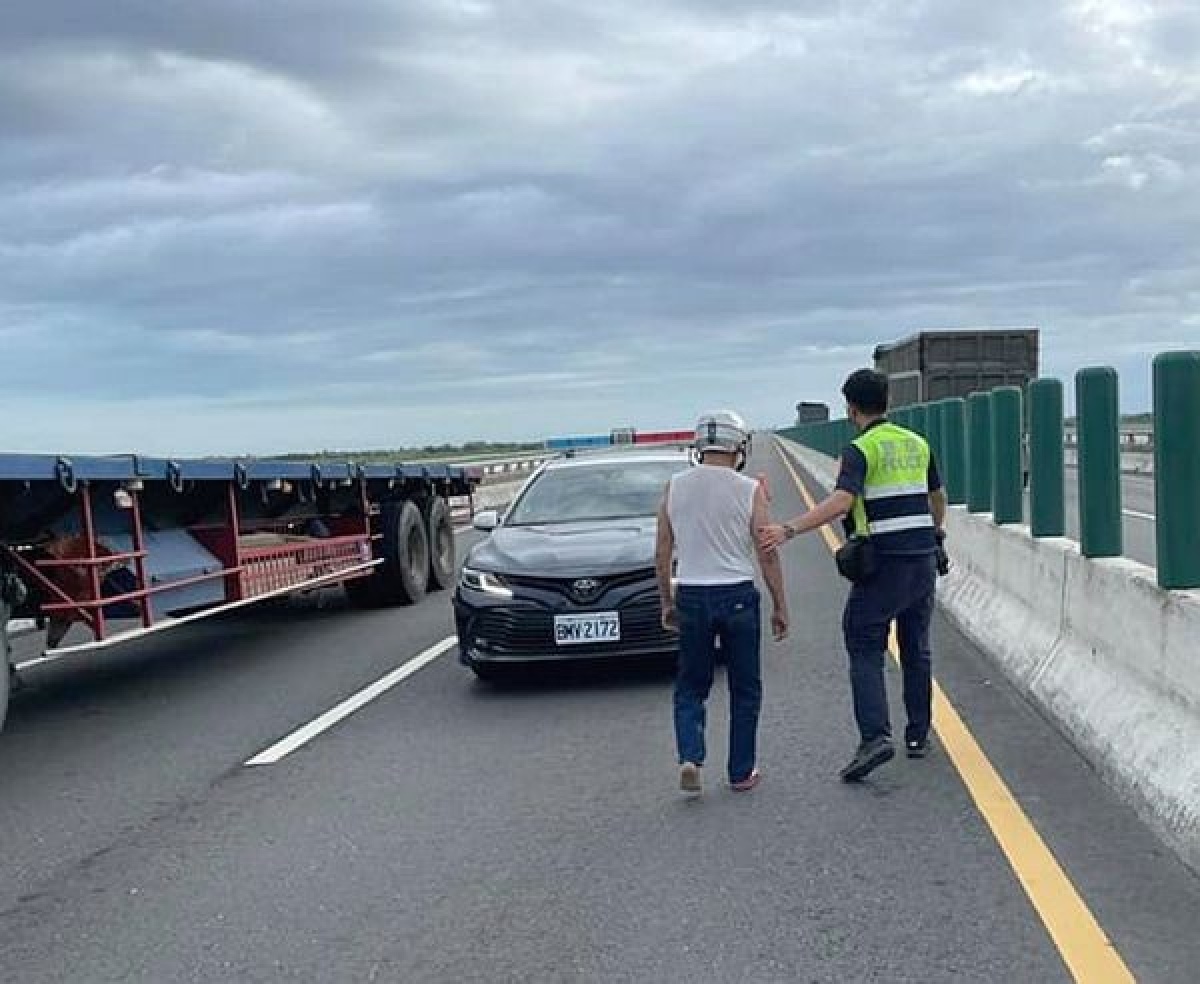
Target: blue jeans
{"type": "Point", "coordinates": [902, 590]}
{"type": "Point", "coordinates": [732, 614]}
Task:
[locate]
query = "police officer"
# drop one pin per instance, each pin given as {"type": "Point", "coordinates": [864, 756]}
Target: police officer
{"type": "Point", "coordinates": [890, 495]}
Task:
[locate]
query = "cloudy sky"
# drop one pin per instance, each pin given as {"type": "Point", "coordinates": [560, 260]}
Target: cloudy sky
{"type": "Point", "coordinates": [235, 226]}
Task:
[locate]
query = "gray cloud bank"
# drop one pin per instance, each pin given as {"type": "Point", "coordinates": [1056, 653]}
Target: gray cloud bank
{"type": "Point", "coordinates": [236, 227]}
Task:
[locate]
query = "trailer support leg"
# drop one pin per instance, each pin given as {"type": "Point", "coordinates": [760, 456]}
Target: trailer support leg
{"type": "Point", "coordinates": [93, 572]}
{"type": "Point", "coordinates": [235, 584]}
{"type": "Point", "coordinates": [139, 547]}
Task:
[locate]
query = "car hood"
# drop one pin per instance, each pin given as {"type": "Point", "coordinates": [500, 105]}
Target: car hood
{"type": "Point", "coordinates": [570, 549]}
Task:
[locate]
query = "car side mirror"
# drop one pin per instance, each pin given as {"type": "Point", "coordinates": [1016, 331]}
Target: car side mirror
{"type": "Point", "coordinates": [486, 520]}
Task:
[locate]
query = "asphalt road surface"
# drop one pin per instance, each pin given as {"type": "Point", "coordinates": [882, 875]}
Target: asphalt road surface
{"type": "Point", "coordinates": [451, 831]}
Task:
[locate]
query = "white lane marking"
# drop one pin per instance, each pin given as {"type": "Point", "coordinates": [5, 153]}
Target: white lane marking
{"type": "Point", "coordinates": [1149, 517]}
{"type": "Point", "coordinates": [285, 747]}
{"type": "Point", "coordinates": [40, 661]}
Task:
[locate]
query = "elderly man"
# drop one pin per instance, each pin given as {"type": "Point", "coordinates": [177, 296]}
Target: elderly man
{"type": "Point", "coordinates": [707, 546]}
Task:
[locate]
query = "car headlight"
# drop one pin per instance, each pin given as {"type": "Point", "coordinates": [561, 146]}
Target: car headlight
{"type": "Point", "coordinates": [486, 582]}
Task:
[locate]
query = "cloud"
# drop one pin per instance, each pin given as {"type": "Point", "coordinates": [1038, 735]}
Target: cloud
{"type": "Point", "coordinates": [404, 222]}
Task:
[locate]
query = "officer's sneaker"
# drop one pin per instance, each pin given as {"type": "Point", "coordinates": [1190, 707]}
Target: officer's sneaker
{"type": "Point", "coordinates": [869, 757]}
{"type": "Point", "coordinates": [917, 748]}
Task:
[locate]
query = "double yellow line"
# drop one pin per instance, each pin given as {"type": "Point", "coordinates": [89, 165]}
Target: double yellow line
{"type": "Point", "coordinates": [1087, 951]}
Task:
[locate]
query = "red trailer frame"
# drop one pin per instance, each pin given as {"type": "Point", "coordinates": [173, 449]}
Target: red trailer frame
{"type": "Point", "coordinates": [274, 529]}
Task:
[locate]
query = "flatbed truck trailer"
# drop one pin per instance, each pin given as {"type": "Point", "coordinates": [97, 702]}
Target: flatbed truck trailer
{"type": "Point", "coordinates": [102, 550]}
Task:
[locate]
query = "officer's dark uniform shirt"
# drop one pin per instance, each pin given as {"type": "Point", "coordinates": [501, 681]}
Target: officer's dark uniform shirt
{"type": "Point", "coordinates": [852, 478]}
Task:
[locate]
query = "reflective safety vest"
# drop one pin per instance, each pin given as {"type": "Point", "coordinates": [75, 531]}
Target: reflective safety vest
{"type": "Point", "coordinates": [894, 507]}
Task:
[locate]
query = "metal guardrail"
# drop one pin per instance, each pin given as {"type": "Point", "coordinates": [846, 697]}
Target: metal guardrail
{"type": "Point", "coordinates": [982, 447]}
{"type": "Point", "coordinates": [1132, 438]}
{"type": "Point", "coordinates": [497, 458]}
{"type": "Point", "coordinates": [511, 470]}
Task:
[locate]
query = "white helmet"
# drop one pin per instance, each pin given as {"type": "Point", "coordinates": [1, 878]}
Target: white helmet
{"type": "Point", "coordinates": [724, 432]}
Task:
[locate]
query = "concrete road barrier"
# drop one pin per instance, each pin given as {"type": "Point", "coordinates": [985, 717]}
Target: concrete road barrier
{"type": "Point", "coordinates": [1106, 654]}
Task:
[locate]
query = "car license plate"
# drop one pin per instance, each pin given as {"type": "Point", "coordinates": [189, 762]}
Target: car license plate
{"type": "Point", "coordinates": [580, 630]}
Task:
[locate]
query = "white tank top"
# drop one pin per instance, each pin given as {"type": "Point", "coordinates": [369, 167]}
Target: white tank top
{"type": "Point", "coordinates": [712, 511]}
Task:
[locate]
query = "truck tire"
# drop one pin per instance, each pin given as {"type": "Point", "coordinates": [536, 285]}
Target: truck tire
{"type": "Point", "coordinates": [442, 565]}
{"type": "Point", "coordinates": [403, 578]}
{"type": "Point", "coordinates": [5, 666]}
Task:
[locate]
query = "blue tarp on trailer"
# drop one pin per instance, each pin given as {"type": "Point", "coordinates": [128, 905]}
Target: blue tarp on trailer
{"type": "Point", "coordinates": [125, 468]}
{"type": "Point", "coordinates": [48, 467]}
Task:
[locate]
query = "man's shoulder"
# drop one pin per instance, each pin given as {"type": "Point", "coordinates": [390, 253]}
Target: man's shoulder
{"type": "Point", "coordinates": [906, 432]}
{"type": "Point", "coordinates": [744, 483]}
{"type": "Point", "coordinates": [715, 477]}
{"type": "Point", "coordinates": [852, 454]}
{"type": "Point", "coordinates": [689, 478]}
{"type": "Point", "coordinates": [684, 477]}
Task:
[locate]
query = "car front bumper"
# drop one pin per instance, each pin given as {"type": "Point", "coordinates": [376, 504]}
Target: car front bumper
{"type": "Point", "coordinates": [497, 630]}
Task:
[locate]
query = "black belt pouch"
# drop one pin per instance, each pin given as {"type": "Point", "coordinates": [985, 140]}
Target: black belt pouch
{"type": "Point", "coordinates": [857, 560]}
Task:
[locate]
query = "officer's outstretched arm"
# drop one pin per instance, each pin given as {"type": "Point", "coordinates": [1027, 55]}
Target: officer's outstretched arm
{"type": "Point", "coordinates": [832, 509]}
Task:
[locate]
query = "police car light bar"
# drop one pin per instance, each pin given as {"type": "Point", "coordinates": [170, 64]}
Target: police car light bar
{"type": "Point", "coordinates": [621, 436]}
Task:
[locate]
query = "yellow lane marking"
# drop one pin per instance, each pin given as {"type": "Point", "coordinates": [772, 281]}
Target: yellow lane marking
{"type": "Point", "coordinates": [831, 538]}
{"type": "Point", "coordinates": [1087, 951]}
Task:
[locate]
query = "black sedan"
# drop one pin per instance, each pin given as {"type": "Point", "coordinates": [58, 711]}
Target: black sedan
{"type": "Point", "coordinates": [568, 573]}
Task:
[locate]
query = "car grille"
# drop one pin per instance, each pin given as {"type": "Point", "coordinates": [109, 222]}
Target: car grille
{"type": "Point", "coordinates": [566, 587]}
{"type": "Point", "coordinates": [527, 630]}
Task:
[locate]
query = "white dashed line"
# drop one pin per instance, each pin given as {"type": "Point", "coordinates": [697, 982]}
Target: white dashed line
{"type": "Point", "coordinates": [302, 736]}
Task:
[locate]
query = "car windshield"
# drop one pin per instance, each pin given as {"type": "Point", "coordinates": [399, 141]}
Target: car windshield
{"type": "Point", "coordinates": [591, 492]}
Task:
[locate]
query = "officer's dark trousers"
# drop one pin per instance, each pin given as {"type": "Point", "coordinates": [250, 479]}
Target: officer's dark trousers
{"type": "Point", "coordinates": [902, 590]}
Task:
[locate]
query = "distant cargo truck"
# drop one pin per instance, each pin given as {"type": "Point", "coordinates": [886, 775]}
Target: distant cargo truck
{"type": "Point", "coordinates": [811, 413]}
{"type": "Point", "coordinates": [937, 365]}
{"type": "Point", "coordinates": [124, 547]}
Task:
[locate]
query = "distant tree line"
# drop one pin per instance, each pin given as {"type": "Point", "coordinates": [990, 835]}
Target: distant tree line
{"type": "Point", "coordinates": [471, 449]}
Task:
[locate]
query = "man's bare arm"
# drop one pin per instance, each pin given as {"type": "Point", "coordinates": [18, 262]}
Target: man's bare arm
{"type": "Point", "coordinates": [771, 565]}
{"type": "Point", "coordinates": [938, 504]}
{"type": "Point", "coordinates": [768, 560]}
{"type": "Point", "coordinates": [664, 557]}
